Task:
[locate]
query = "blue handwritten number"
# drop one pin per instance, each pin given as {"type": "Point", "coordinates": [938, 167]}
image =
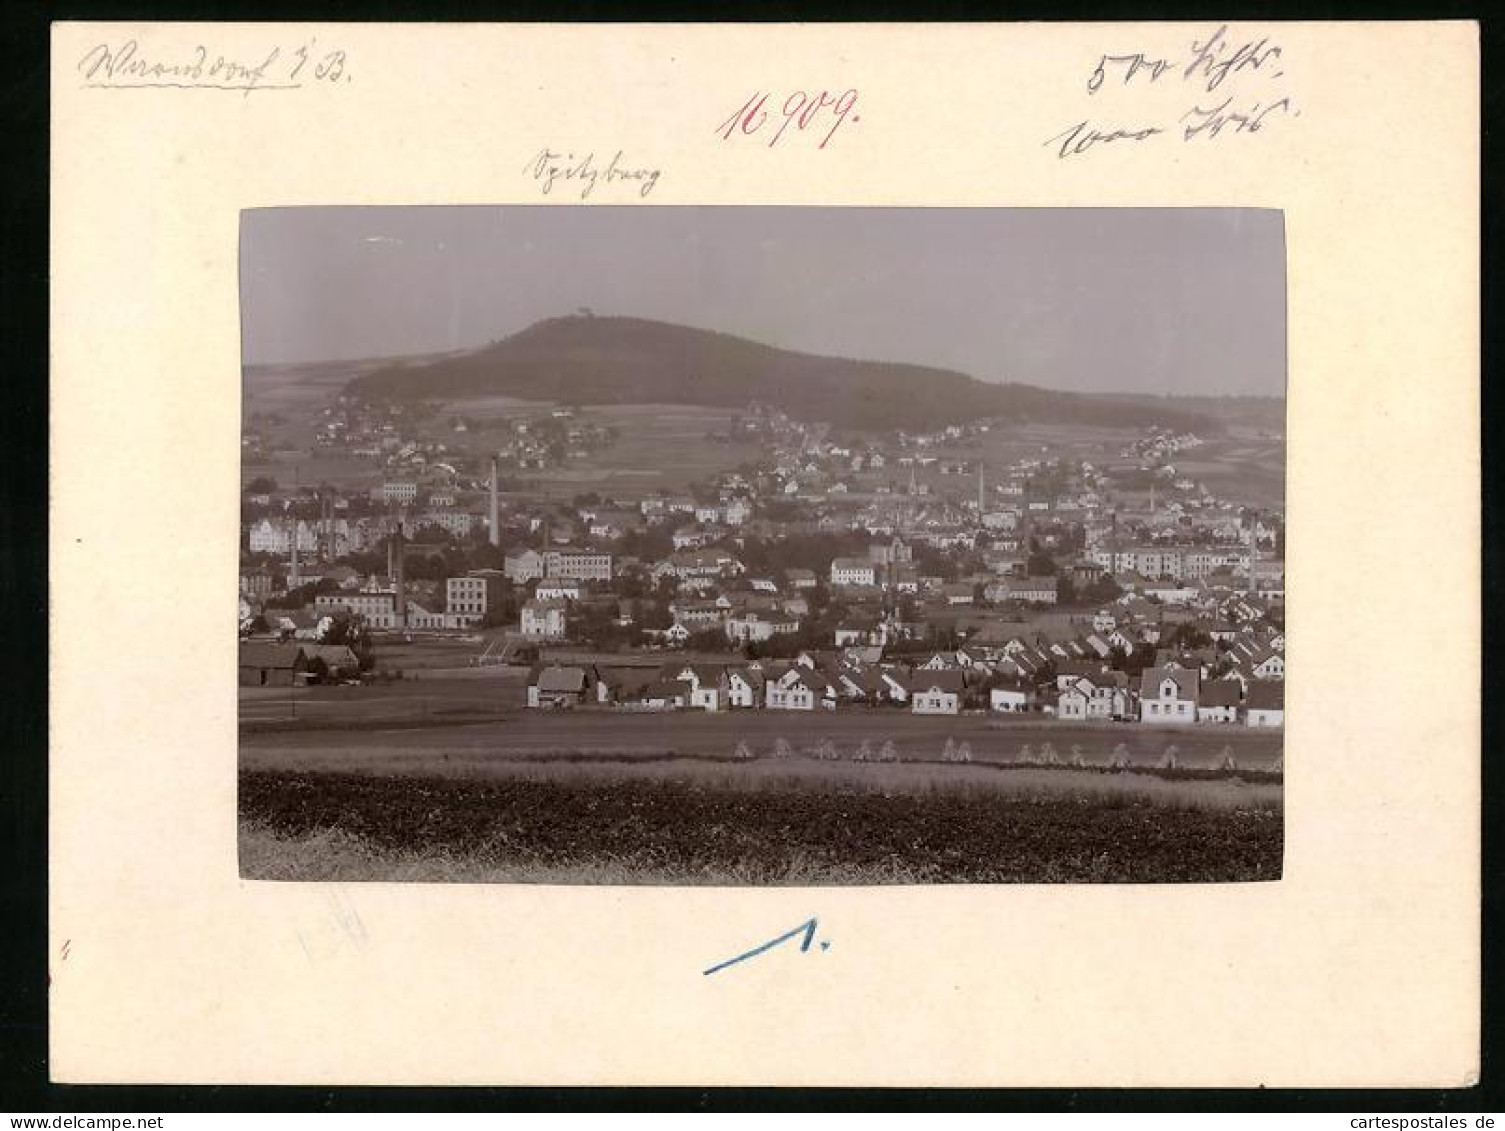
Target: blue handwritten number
{"type": "Point", "coordinates": [807, 928]}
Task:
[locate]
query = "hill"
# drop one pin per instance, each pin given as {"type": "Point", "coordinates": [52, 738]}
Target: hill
{"type": "Point", "coordinates": [586, 359]}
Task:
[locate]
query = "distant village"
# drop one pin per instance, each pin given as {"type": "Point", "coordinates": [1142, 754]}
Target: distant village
{"type": "Point", "coordinates": [882, 573]}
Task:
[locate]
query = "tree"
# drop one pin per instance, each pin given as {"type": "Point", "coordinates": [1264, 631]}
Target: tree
{"type": "Point", "coordinates": [654, 614]}
{"type": "Point", "coordinates": [1189, 636]}
{"type": "Point", "coordinates": [1045, 675]}
{"type": "Point", "coordinates": [351, 630]}
{"type": "Point", "coordinates": [711, 639]}
{"type": "Point", "coordinates": [261, 485]}
{"type": "Point", "coordinates": [1041, 564]}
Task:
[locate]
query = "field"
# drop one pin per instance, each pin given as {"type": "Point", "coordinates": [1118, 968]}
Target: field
{"type": "Point", "coordinates": [632, 467]}
{"type": "Point", "coordinates": [450, 780]}
{"type": "Point", "coordinates": [1245, 465]}
{"type": "Point", "coordinates": [344, 727]}
{"type": "Point", "coordinates": [804, 824]}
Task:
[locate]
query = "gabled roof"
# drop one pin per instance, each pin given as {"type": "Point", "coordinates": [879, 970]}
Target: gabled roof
{"type": "Point", "coordinates": [666, 689]}
{"type": "Point", "coordinates": [868, 682]}
{"type": "Point", "coordinates": [1185, 681]}
{"type": "Point", "coordinates": [570, 679]}
{"type": "Point", "coordinates": [1267, 695]}
{"type": "Point", "coordinates": [953, 682]}
{"type": "Point", "coordinates": [810, 680]}
{"type": "Point", "coordinates": [750, 676]}
{"type": "Point", "coordinates": [254, 654]}
{"type": "Point", "coordinates": [1221, 693]}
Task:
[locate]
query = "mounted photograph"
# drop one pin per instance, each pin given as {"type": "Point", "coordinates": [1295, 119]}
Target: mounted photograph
{"type": "Point", "coordinates": [744, 545]}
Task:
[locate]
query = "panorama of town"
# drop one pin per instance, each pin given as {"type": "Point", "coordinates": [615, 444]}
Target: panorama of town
{"type": "Point", "coordinates": [818, 572]}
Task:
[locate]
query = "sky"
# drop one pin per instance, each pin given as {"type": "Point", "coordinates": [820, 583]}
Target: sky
{"type": "Point", "coordinates": [1159, 301]}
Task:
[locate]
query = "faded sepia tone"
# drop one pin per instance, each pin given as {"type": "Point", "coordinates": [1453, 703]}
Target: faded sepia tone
{"type": "Point", "coordinates": [709, 573]}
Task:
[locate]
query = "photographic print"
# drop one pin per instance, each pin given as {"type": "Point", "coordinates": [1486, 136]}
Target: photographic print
{"type": "Point", "coordinates": [744, 545]}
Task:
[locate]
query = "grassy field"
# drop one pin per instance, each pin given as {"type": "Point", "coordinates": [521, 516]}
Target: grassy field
{"type": "Point", "coordinates": [451, 780]}
{"type": "Point", "coordinates": [481, 721]}
{"type": "Point", "coordinates": [786, 822]}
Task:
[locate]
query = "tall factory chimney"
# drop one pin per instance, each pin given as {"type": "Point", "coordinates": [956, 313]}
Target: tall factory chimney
{"type": "Point", "coordinates": [399, 585]}
{"type": "Point", "coordinates": [494, 532]}
{"type": "Point", "coordinates": [1253, 550]}
{"type": "Point", "coordinates": [292, 537]}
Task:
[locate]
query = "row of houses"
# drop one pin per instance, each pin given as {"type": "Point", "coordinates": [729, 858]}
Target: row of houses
{"type": "Point", "coordinates": [1162, 696]}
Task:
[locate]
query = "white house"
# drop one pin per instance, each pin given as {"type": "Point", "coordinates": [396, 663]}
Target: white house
{"type": "Point", "coordinates": [799, 689]}
{"type": "Point", "coordinates": [557, 589]}
{"type": "Point", "coordinates": [709, 692]}
{"type": "Point", "coordinates": [752, 626]}
{"type": "Point", "coordinates": [542, 620]}
{"type": "Point", "coordinates": [1168, 695]}
{"type": "Point", "coordinates": [1103, 695]}
{"type": "Point", "coordinates": [1271, 665]}
{"type": "Point", "coordinates": [1072, 702]}
{"type": "Point", "coordinates": [1267, 704]}
{"type": "Point", "coordinates": [666, 695]}
{"type": "Point", "coordinates": [1011, 699]}
{"type": "Point", "coordinates": [853, 571]}
{"type": "Point", "coordinates": [1219, 701]}
{"type": "Point", "coordinates": [895, 687]}
{"type": "Point", "coordinates": [741, 691]}
{"type": "Point", "coordinates": [936, 693]}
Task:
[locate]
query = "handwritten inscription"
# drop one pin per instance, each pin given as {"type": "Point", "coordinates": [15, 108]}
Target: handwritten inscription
{"type": "Point", "coordinates": [129, 66]}
{"type": "Point", "coordinates": [805, 932]}
{"type": "Point", "coordinates": [1232, 83]}
{"type": "Point", "coordinates": [549, 168]}
{"type": "Point", "coordinates": [815, 112]}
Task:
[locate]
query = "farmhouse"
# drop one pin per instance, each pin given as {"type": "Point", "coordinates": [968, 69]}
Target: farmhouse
{"type": "Point", "coordinates": [1168, 695]}
{"type": "Point", "coordinates": [664, 695]}
{"type": "Point", "coordinates": [709, 684]}
{"type": "Point", "coordinates": [799, 689]}
{"type": "Point", "coordinates": [937, 692]}
{"type": "Point", "coordinates": [742, 688]}
{"type": "Point", "coordinates": [1219, 702]}
{"type": "Point", "coordinates": [335, 661]}
{"type": "Point", "coordinates": [1012, 697]}
{"type": "Point", "coordinates": [271, 665]}
{"type": "Point", "coordinates": [557, 686]}
{"type": "Point", "coordinates": [1267, 704]}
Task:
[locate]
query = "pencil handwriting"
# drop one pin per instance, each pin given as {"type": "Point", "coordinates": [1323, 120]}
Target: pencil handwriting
{"type": "Point", "coordinates": [549, 168]}
{"type": "Point", "coordinates": [129, 66]}
{"type": "Point", "coordinates": [1244, 71]}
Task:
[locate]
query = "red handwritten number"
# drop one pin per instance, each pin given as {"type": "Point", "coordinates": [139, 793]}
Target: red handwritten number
{"type": "Point", "coordinates": [745, 117]}
{"type": "Point", "coordinates": [789, 114]}
{"type": "Point", "coordinates": [799, 108]}
{"type": "Point", "coordinates": [844, 106]}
